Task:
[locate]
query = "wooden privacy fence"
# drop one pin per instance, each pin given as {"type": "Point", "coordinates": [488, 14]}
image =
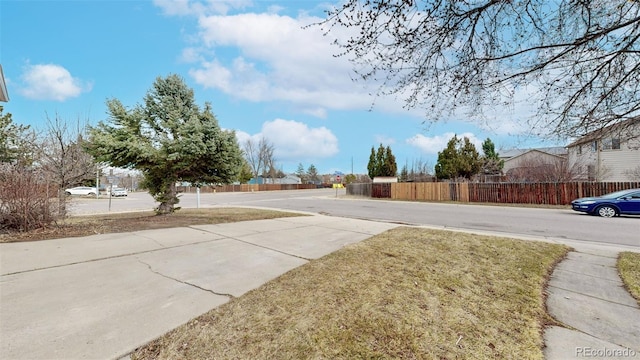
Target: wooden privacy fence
{"type": "Point", "coordinates": [522, 193]}
{"type": "Point", "coordinates": [359, 189]}
{"type": "Point", "coordinates": [430, 191]}
{"type": "Point", "coordinates": [246, 188]}
{"type": "Point", "coordinates": [543, 193]}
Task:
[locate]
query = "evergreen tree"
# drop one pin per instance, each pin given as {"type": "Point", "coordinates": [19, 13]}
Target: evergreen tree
{"type": "Point", "coordinates": [391, 168]}
{"type": "Point", "coordinates": [459, 159]}
{"type": "Point", "coordinates": [491, 162]}
{"type": "Point", "coordinates": [382, 162]}
{"type": "Point", "coordinates": [447, 165]}
{"type": "Point", "coordinates": [350, 178]}
{"type": "Point", "coordinates": [169, 139]}
{"type": "Point", "coordinates": [470, 162]}
{"type": "Point", "coordinates": [301, 174]}
{"type": "Point", "coordinates": [404, 174]}
{"type": "Point", "coordinates": [245, 173]}
{"type": "Point", "coordinates": [16, 141]}
{"type": "Point", "coordinates": [312, 172]}
{"type": "Point", "coordinates": [371, 167]}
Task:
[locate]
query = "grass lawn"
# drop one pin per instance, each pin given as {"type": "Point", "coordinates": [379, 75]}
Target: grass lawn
{"type": "Point", "coordinates": [407, 293]}
{"type": "Point", "coordinates": [629, 269]}
{"type": "Point", "coordinates": [146, 220]}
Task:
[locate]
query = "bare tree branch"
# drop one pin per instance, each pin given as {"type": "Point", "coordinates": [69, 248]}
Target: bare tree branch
{"type": "Point", "coordinates": [580, 57]}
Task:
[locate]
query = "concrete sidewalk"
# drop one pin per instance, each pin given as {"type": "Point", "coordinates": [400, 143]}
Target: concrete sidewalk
{"type": "Point", "coordinates": [100, 297]}
{"type": "Point", "coordinates": [587, 295]}
{"type": "Point", "coordinates": [103, 296]}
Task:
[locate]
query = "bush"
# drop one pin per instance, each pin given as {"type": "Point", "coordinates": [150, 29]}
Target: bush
{"type": "Point", "coordinates": [27, 202]}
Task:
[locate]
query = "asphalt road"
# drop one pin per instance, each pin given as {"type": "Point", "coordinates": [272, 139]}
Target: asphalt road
{"type": "Point", "coordinates": [548, 223]}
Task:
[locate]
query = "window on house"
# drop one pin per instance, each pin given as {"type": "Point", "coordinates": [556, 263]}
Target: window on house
{"type": "Point", "coordinates": [594, 146]}
{"type": "Point", "coordinates": [611, 144]}
{"type": "Point", "coordinates": [579, 150]}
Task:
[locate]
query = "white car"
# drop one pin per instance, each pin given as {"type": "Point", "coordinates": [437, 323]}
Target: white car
{"type": "Point", "coordinates": [118, 192]}
{"type": "Point", "coordinates": [81, 190]}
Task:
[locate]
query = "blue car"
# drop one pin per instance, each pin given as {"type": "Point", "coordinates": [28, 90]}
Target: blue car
{"type": "Point", "coordinates": [610, 205]}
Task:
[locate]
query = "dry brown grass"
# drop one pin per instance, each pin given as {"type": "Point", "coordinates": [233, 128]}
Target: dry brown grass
{"type": "Point", "coordinates": [407, 293]}
{"type": "Point", "coordinates": [629, 269]}
{"type": "Point", "coordinates": [146, 220]}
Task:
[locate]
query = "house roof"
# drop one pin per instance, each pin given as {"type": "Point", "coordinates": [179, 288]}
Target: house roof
{"type": "Point", "coordinates": [4, 95]}
{"type": "Point", "coordinates": [600, 133]}
{"type": "Point", "coordinates": [528, 151]}
{"type": "Point", "coordinates": [553, 150]}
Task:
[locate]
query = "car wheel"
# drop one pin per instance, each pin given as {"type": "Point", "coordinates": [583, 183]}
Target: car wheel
{"type": "Point", "coordinates": [91, 194]}
{"type": "Point", "coordinates": [607, 211]}
{"type": "Point", "coordinates": [67, 193]}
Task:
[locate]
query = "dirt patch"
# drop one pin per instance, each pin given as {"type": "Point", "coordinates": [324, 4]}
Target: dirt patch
{"type": "Point", "coordinates": [135, 221]}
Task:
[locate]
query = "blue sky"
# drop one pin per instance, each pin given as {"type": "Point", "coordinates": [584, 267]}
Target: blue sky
{"type": "Point", "coordinates": [263, 73]}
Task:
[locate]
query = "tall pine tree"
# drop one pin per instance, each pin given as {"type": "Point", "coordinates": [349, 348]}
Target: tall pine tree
{"type": "Point", "coordinates": [382, 162]}
{"type": "Point", "coordinates": [169, 139]}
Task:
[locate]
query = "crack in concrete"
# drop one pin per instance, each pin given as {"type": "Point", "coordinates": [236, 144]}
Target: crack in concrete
{"type": "Point", "coordinates": [260, 246]}
{"type": "Point", "coordinates": [617, 281]}
{"type": "Point", "coordinates": [592, 296]}
{"type": "Point", "coordinates": [595, 336]}
{"type": "Point", "coordinates": [109, 257]}
{"type": "Point", "coordinates": [183, 282]}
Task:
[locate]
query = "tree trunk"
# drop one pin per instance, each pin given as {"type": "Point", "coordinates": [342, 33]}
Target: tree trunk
{"type": "Point", "coordinates": [169, 199]}
{"type": "Point", "coordinates": [62, 203]}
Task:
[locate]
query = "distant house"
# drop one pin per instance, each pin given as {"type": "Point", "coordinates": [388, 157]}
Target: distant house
{"type": "Point", "coordinates": [539, 164]}
{"type": "Point", "coordinates": [609, 154]}
{"type": "Point", "coordinates": [385, 179]}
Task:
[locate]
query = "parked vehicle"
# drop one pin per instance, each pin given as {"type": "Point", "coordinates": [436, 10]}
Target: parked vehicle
{"type": "Point", "coordinates": [118, 192]}
{"type": "Point", "coordinates": [81, 190]}
{"type": "Point", "coordinates": [610, 205]}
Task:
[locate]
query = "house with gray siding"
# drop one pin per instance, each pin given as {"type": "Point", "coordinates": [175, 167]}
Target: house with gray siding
{"type": "Point", "coordinates": [536, 165]}
{"type": "Point", "coordinates": [609, 154]}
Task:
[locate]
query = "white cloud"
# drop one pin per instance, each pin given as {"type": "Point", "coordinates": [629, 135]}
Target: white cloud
{"type": "Point", "coordinates": [434, 144]}
{"type": "Point", "coordinates": [295, 141]}
{"type": "Point", "coordinates": [212, 74]}
{"type": "Point", "coordinates": [318, 112]}
{"type": "Point", "coordinates": [244, 136]}
{"type": "Point", "coordinates": [276, 60]}
{"type": "Point", "coordinates": [51, 82]}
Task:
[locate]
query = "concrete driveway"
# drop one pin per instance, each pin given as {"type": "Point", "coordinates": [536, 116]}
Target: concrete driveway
{"type": "Point", "coordinates": [103, 296]}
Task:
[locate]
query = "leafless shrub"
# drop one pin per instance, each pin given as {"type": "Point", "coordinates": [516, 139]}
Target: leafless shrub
{"type": "Point", "coordinates": [26, 199]}
{"type": "Point", "coordinates": [539, 170]}
{"type": "Point", "coordinates": [633, 174]}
